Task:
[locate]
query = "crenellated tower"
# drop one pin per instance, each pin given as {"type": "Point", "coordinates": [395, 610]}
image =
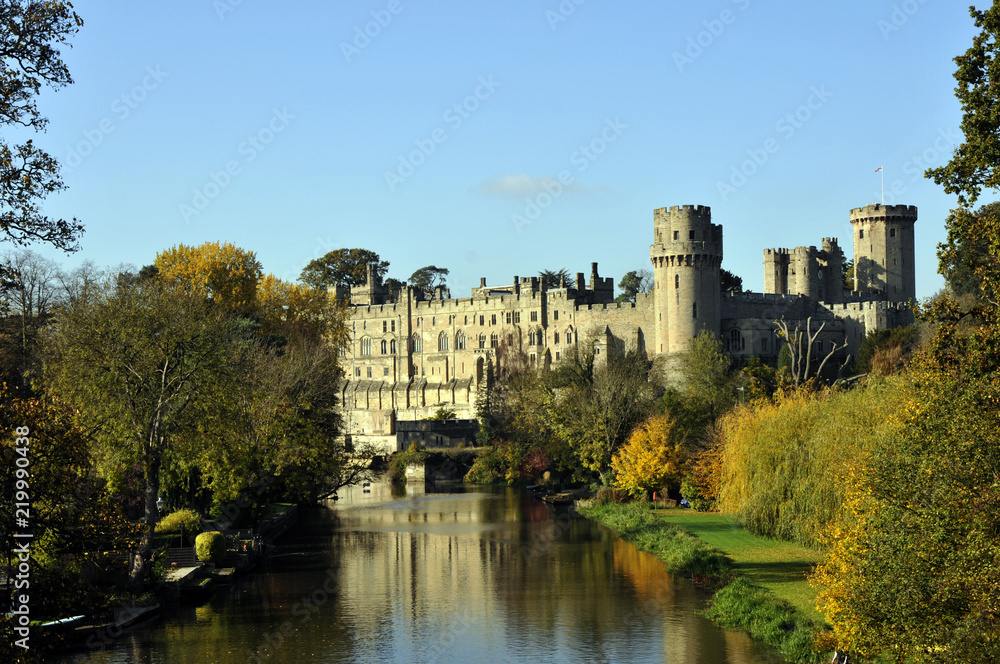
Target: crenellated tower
{"type": "Point", "coordinates": [884, 252]}
{"type": "Point", "coordinates": [686, 255]}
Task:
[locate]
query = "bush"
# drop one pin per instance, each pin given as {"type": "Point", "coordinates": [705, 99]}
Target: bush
{"type": "Point", "coordinates": [185, 520]}
{"type": "Point", "coordinates": [609, 494]}
{"type": "Point", "coordinates": [490, 467]}
{"type": "Point", "coordinates": [690, 493]}
{"type": "Point", "coordinates": [210, 547]}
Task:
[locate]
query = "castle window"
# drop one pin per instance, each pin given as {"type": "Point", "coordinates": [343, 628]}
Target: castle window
{"type": "Point", "coordinates": [385, 371]}
{"type": "Point", "coordinates": [493, 319]}
{"type": "Point", "coordinates": [420, 322]}
{"type": "Point", "coordinates": [763, 344]}
{"type": "Point", "coordinates": [364, 325]}
{"type": "Point", "coordinates": [534, 316]}
{"type": "Point", "coordinates": [892, 232]}
{"type": "Point", "coordinates": [392, 327]}
{"type": "Point", "coordinates": [555, 338]}
{"type": "Point", "coordinates": [676, 235]}
{"type": "Point", "coordinates": [509, 317]}
{"type": "Point", "coordinates": [482, 341]}
{"type": "Point", "coordinates": [532, 338]}
{"type": "Point", "coordinates": [736, 341]}
{"type": "Point", "coordinates": [694, 310]}
{"type": "Point", "coordinates": [690, 235]}
{"type": "Point", "coordinates": [443, 341]}
{"type": "Point", "coordinates": [385, 347]}
{"type": "Point", "coordinates": [482, 320]}
{"type": "Point", "coordinates": [418, 343]}
{"type": "Point", "coordinates": [569, 337]}
{"type": "Point", "coordinates": [451, 320]}
{"type": "Point", "coordinates": [385, 326]}
{"type": "Point", "coordinates": [357, 372]}
{"type": "Point", "coordinates": [366, 346]}
{"type": "Point", "coordinates": [460, 340]}
{"type": "Point", "coordinates": [861, 234]}
{"type": "Point", "coordinates": [677, 281]}
{"type": "Point", "coordinates": [466, 320]}
{"type": "Point", "coordinates": [555, 315]}
{"type": "Point", "coordinates": [532, 358]}
{"type": "Point", "coordinates": [392, 346]}
{"type": "Point", "coordinates": [434, 320]}
{"type": "Point", "coordinates": [517, 317]}
{"type": "Point", "coordinates": [494, 340]}
{"type": "Point", "coordinates": [369, 372]}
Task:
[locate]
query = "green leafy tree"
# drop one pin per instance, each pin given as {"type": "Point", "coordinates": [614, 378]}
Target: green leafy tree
{"type": "Point", "coordinates": [428, 278]}
{"type": "Point", "coordinates": [633, 283]}
{"type": "Point", "coordinates": [30, 58]}
{"type": "Point", "coordinates": [966, 255]}
{"type": "Point", "coordinates": [847, 275]}
{"type": "Point", "coordinates": [552, 278]}
{"type": "Point", "coordinates": [342, 267]}
{"type": "Point", "coordinates": [729, 282]}
{"type": "Point", "coordinates": [145, 366]}
{"type": "Point", "coordinates": [707, 376]}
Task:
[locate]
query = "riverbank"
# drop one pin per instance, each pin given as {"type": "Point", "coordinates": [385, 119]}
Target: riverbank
{"type": "Point", "coordinates": [741, 600]}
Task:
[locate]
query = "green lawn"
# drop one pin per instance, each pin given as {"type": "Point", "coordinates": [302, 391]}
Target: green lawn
{"type": "Point", "coordinates": [781, 567]}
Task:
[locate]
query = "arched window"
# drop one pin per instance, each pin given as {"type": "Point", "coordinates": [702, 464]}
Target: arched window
{"type": "Point", "coordinates": [494, 340]}
{"type": "Point", "coordinates": [460, 340]}
{"type": "Point", "coordinates": [418, 344]}
{"type": "Point", "coordinates": [443, 341]}
{"type": "Point", "coordinates": [385, 347]}
{"type": "Point", "coordinates": [532, 338]}
{"type": "Point", "coordinates": [569, 336]}
{"type": "Point", "coordinates": [392, 346]}
{"type": "Point", "coordinates": [366, 346]}
{"type": "Point", "coordinates": [482, 341]}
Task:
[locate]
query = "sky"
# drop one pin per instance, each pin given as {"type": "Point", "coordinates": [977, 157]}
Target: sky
{"type": "Point", "coordinates": [500, 139]}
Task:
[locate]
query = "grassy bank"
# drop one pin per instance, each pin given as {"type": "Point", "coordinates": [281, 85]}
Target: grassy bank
{"type": "Point", "coordinates": [740, 602]}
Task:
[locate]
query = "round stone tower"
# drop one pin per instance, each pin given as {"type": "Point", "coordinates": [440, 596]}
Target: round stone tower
{"type": "Point", "coordinates": [883, 251]}
{"type": "Point", "coordinates": [686, 255]}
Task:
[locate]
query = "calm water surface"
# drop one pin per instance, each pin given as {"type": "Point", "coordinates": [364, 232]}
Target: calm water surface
{"type": "Point", "coordinates": [473, 575]}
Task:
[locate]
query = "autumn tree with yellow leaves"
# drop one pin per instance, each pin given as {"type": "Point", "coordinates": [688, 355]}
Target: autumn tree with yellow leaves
{"type": "Point", "coordinates": [651, 460]}
{"type": "Point", "coordinates": [223, 273]}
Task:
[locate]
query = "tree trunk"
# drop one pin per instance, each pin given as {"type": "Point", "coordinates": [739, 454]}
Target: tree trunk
{"type": "Point", "coordinates": [142, 558]}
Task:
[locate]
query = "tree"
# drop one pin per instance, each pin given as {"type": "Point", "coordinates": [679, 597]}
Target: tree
{"type": "Point", "coordinates": [651, 460]}
{"type": "Point", "coordinates": [801, 345]}
{"type": "Point", "coordinates": [145, 366]}
{"type": "Point", "coordinates": [975, 163]}
{"type": "Point", "coordinates": [707, 378]}
{"type": "Point", "coordinates": [223, 273]}
{"type": "Point", "coordinates": [633, 283]}
{"type": "Point", "coordinates": [729, 282]}
{"type": "Point", "coordinates": [30, 58]}
{"type": "Point", "coordinates": [552, 279]}
{"type": "Point", "coordinates": [847, 276]}
{"type": "Point", "coordinates": [31, 292]}
{"type": "Point", "coordinates": [966, 255]}
{"type": "Point", "coordinates": [342, 267]}
{"type": "Point", "coordinates": [428, 278]}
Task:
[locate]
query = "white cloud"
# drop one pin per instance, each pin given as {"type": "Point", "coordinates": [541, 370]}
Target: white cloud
{"type": "Point", "coordinates": [520, 185]}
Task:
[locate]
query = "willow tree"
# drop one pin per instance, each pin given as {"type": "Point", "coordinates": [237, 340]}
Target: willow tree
{"type": "Point", "coordinates": [145, 366]}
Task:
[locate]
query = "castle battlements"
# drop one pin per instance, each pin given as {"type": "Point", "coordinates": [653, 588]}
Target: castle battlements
{"type": "Point", "coordinates": [877, 210]}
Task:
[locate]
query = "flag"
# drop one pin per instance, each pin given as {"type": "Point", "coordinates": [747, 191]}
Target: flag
{"type": "Point", "coordinates": [878, 169]}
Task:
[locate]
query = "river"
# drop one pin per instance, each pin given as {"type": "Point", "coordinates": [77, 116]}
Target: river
{"type": "Point", "coordinates": [462, 576]}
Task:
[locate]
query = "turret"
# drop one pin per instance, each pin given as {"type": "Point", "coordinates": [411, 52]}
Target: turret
{"type": "Point", "coordinates": [884, 252]}
{"type": "Point", "coordinates": [686, 256]}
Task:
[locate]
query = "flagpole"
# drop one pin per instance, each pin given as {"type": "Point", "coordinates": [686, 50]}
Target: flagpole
{"type": "Point", "coordinates": [883, 185]}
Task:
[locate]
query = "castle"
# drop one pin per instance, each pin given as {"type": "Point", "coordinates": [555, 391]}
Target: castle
{"type": "Point", "coordinates": [411, 354]}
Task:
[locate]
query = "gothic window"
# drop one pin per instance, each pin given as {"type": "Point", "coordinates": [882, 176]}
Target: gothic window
{"type": "Point", "coordinates": [443, 341]}
{"type": "Point", "coordinates": [392, 346]}
{"type": "Point", "coordinates": [418, 343]}
{"type": "Point", "coordinates": [532, 338]}
{"type": "Point", "coordinates": [569, 336]}
{"type": "Point", "coordinates": [494, 340]}
{"type": "Point", "coordinates": [366, 346]}
{"type": "Point", "coordinates": [555, 338]}
{"type": "Point", "coordinates": [460, 340]}
{"type": "Point", "coordinates": [482, 341]}
{"type": "Point", "coordinates": [385, 347]}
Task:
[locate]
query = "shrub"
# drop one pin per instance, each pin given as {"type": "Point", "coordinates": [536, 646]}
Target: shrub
{"type": "Point", "coordinates": [185, 520]}
{"type": "Point", "coordinates": [490, 467]}
{"type": "Point", "coordinates": [690, 493]}
{"type": "Point", "coordinates": [609, 494]}
{"type": "Point", "coordinates": [210, 547]}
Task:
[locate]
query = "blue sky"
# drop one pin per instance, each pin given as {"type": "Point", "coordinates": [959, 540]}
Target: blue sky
{"type": "Point", "coordinates": [287, 130]}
